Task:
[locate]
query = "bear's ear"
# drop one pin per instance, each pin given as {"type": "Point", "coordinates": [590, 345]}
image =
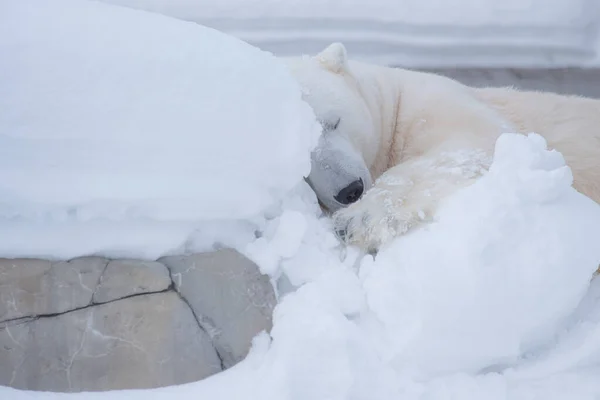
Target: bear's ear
{"type": "Point", "coordinates": [334, 57]}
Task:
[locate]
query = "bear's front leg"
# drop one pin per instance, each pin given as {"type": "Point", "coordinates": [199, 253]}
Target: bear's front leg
{"type": "Point", "coordinates": [407, 195]}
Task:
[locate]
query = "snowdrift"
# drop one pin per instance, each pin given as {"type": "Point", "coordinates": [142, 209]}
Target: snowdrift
{"type": "Point", "coordinates": [138, 139]}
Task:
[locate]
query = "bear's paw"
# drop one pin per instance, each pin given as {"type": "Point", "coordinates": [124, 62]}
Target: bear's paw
{"type": "Point", "coordinates": [376, 219]}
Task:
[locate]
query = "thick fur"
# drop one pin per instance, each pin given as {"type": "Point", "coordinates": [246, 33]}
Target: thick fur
{"type": "Point", "coordinates": [425, 136]}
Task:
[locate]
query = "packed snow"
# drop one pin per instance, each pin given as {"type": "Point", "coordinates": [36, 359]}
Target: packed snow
{"type": "Point", "coordinates": [414, 33]}
{"type": "Point", "coordinates": [192, 137]}
{"type": "Point", "coordinates": [109, 132]}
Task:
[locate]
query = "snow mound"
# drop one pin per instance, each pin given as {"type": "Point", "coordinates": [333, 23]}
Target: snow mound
{"type": "Point", "coordinates": [508, 259]}
{"type": "Point", "coordinates": [470, 305]}
{"type": "Point", "coordinates": [154, 125]}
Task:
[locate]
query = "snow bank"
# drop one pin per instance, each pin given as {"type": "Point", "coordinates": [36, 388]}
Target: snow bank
{"type": "Point", "coordinates": [154, 125]}
{"type": "Point", "coordinates": [413, 33]}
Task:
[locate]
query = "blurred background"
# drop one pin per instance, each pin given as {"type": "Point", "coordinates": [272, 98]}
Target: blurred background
{"type": "Point", "coordinates": [533, 44]}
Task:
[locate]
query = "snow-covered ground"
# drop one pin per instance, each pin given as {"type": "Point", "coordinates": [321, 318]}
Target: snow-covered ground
{"type": "Point", "coordinates": [158, 136]}
{"type": "Point", "coordinates": [419, 33]}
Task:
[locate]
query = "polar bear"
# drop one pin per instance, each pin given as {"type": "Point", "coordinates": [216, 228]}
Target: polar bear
{"type": "Point", "coordinates": [396, 142]}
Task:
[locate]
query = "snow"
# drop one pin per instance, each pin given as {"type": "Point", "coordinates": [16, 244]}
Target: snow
{"type": "Point", "coordinates": [412, 33]}
{"type": "Point", "coordinates": [107, 133]}
{"type": "Point", "coordinates": [499, 245]}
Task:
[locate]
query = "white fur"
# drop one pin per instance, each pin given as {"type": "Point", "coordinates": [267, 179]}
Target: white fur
{"type": "Point", "coordinates": [423, 136]}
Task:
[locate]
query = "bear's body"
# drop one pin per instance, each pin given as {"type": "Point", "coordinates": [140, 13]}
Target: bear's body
{"type": "Point", "coordinates": [420, 137]}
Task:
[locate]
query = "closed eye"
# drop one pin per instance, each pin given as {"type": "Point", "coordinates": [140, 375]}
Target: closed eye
{"type": "Point", "coordinates": [329, 126]}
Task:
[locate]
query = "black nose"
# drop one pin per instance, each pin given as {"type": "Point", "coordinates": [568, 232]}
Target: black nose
{"type": "Point", "coordinates": [351, 193]}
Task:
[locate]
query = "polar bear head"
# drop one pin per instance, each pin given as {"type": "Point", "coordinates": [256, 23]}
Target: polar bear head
{"type": "Point", "coordinates": [340, 163]}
